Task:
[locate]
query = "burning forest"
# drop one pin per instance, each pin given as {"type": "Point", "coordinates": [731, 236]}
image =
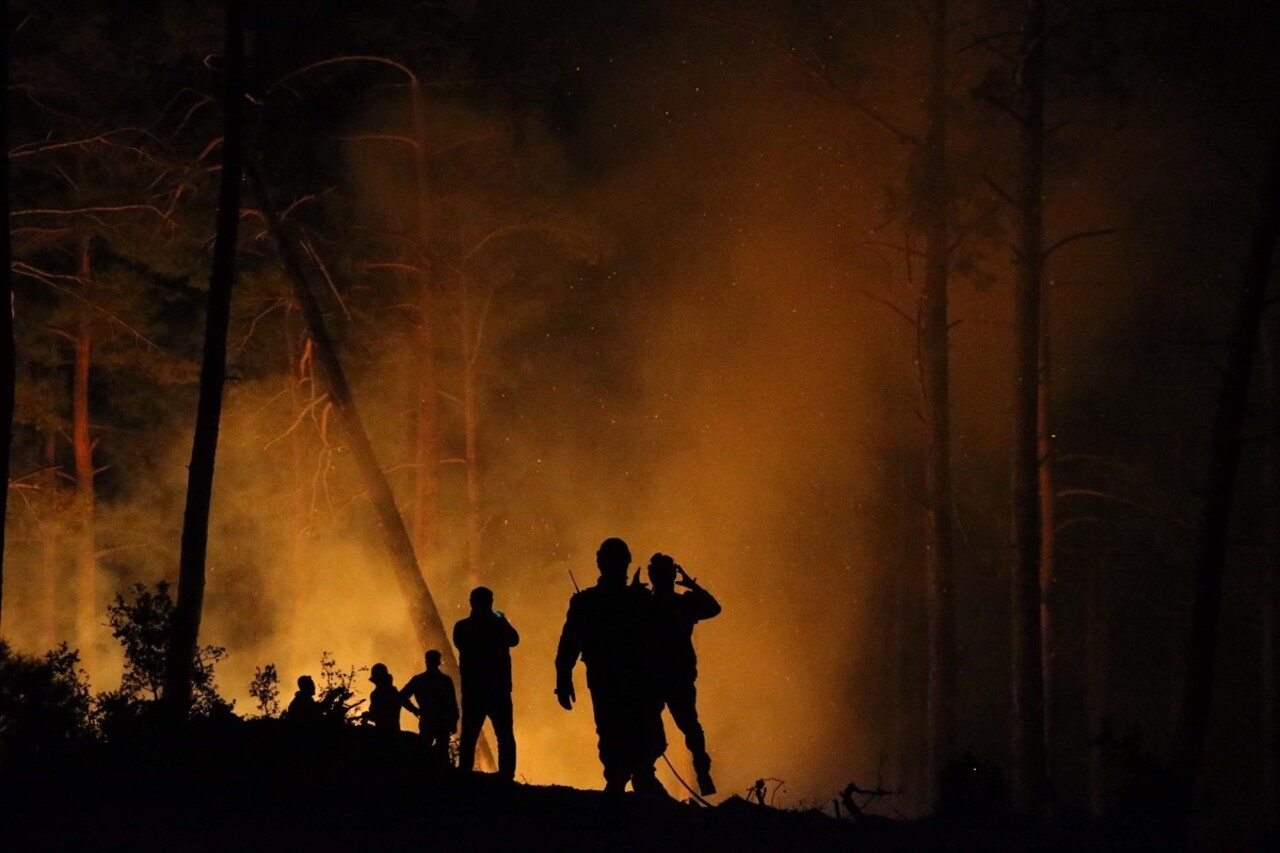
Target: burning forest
{"type": "Point", "coordinates": [934, 338]}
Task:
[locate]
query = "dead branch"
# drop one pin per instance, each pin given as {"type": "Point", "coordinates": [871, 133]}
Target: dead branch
{"type": "Point", "coordinates": [1079, 235]}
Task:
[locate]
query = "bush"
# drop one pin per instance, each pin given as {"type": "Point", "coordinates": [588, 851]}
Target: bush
{"type": "Point", "coordinates": [44, 701]}
{"type": "Point", "coordinates": [265, 689]}
{"type": "Point", "coordinates": [143, 625]}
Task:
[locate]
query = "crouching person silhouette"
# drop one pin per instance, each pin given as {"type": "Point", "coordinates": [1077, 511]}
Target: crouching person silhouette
{"type": "Point", "coordinates": [674, 617]}
{"type": "Point", "coordinates": [610, 626]}
{"type": "Point", "coordinates": [304, 711]}
{"type": "Point", "coordinates": [430, 697]}
{"type": "Point", "coordinates": [484, 641]}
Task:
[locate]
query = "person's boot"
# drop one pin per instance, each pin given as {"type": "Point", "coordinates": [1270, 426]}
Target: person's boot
{"type": "Point", "coordinates": [645, 783]}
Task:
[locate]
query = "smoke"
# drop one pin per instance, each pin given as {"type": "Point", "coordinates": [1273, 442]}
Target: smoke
{"type": "Point", "coordinates": [689, 341]}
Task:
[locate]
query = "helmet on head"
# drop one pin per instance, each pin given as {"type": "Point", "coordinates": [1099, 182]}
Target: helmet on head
{"type": "Point", "coordinates": [613, 555]}
{"type": "Point", "coordinates": [378, 673]}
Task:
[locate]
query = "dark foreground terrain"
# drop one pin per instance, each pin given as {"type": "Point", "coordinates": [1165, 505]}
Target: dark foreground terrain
{"type": "Point", "coordinates": [257, 786]}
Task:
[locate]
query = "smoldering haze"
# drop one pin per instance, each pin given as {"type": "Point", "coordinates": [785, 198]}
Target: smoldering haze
{"type": "Point", "coordinates": [712, 389]}
{"type": "Point", "coordinates": [713, 379]}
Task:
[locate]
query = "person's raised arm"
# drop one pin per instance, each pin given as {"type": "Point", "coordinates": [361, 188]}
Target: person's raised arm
{"type": "Point", "coordinates": [700, 603]}
{"type": "Point", "coordinates": [511, 636]}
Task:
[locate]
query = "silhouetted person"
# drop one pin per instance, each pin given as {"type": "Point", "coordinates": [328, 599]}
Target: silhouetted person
{"type": "Point", "coordinates": [675, 614]}
{"type": "Point", "coordinates": [610, 625]}
{"type": "Point", "coordinates": [484, 640]}
{"type": "Point", "coordinates": [430, 697]}
{"type": "Point", "coordinates": [384, 701]}
{"type": "Point", "coordinates": [304, 710]}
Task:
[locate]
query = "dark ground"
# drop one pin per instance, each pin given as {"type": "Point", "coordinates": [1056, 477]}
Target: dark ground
{"type": "Point", "coordinates": [256, 786]}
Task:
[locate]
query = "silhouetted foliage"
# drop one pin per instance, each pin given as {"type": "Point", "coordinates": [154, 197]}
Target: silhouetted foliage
{"type": "Point", "coordinates": [339, 682]}
{"type": "Point", "coordinates": [44, 701]}
{"type": "Point", "coordinates": [143, 624]}
{"type": "Point", "coordinates": [265, 690]}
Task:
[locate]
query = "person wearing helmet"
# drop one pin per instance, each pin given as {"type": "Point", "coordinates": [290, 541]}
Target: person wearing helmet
{"type": "Point", "coordinates": [484, 641]}
{"type": "Point", "coordinates": [384, 701]}
{"type": "Point", "coordinates": [675, 615]}
{"type": "Point", "coordinates": [610, 626]}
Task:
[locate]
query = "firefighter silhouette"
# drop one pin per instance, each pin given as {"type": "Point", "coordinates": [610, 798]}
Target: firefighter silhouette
{"type": "Point", "coordinates": [384, 701]}
{"type": "Point", "coordinates": [610, 626]}
{"type": "Point", "coordinates": [674, 616]}
{"type": "Point", "coordinates": [430, 697]}
{"type": "Point", "coordinates": [484, 641]}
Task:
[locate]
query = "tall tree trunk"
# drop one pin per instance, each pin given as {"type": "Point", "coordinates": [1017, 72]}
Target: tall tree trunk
{"type": "Point", "coordinates": [82, 449]}
{"type": "Point", "coordinates": [299, 352]}
{"type": "Point", "coordinates": [195, 522]}
{"type": "Point", "coordinates": [1048, 528]}
{"type": "Point", "coordinates": [1211, 544]}
{"type": "Point", "coordinates": [50, 553]}
{"type": "Point", "coordinates": [1267, 655]}
{"type": "Point", "coordinates": [935, 377]}
{"type": "Point", "coordinates": [1028, 684]}
{"type": "Point", "coordinates": [426, 467]}
{"type": "Point", "coordinates": [470, 346]}
{"type": "Point", "coordinates": [904, 729]}
{"type": "Point", "coordinates": [8, 350]}
{"type": "Point", "coordinates": [423, 613]}
{"type": "Point", "coordinates": [1095, 649]}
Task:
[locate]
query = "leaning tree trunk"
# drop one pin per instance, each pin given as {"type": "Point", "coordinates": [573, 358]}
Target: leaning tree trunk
{"type": "Point", "coordinates": [86, 568]}
{"type": "Point", "coordinates": [422, 607]}
{"type": "Point", "coordinates": [1027, 675]}
{"type": "Point", "coordinates": [298, 349]}
{"type": "Point", "coordinates": [423, 613]}
{"type": "Point", "coordinates": [935, 374]}
{"type": "Point", "coordinates": [195, 522]}
{"type": "Point", "coordinates": [8, 351]}
{"type": "Point", "coordinates": [1211, 545]}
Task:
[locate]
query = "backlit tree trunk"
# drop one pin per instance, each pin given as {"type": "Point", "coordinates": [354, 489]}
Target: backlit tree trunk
{"type": "Point", "coordinates": [8, 351]}
{"type": "Point", "coordinates": [1271, 557]}
{"type": "Point", "coordinates": [50, 553]}
{"type": "Point", "coordinates": [302, 392]}
{"type": "Point", "coordinates": [423, 614]}
{"type": "Point", "coordinates": [426, 469]}
{"type": "Point", "coordinates": [1095, 638]}
{"type": "Point", "coordinates": [86, 584]}
{"type": "Point", "coordinates": [470, 416]}
{"type": "Point", "coordinates": [935, 374]}
{"type": "Point", "coordinates": [195, 522]}
{"type": "Point", "coordinates": [1048, 527]}
{"type": "Point", "coordinates": [1029, 756]}
{"type": "Point", "coordinates": [1211, 544]}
